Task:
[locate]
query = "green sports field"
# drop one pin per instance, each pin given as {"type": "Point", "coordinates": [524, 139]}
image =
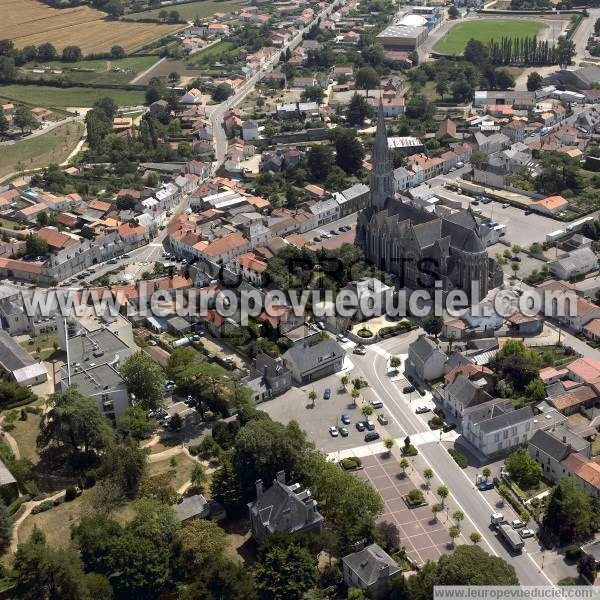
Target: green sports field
{"type": "Point", "coordinates": [456, 39]}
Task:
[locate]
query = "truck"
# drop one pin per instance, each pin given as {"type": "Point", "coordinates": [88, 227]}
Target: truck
{"type": "Point", "coordinates": [555, 235]}
{"type": "Point", "coordinates": [511, 537]}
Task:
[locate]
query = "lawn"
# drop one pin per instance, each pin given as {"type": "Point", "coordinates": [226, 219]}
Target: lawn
{"type": "Point", "coordinates": [33, 22]}
{"type": "Point", "coordinates": [75, 96]}
{"type": "Point", "coordinates": [192, 10]}
{"type": "Point", "coordinates": [182, 470]}
{"type": "Point", "coordinates": [25, 434]}
{"type": "Point", "coordinates": [54, 146]}
{"type": "Point", "coordinates": [41, 347]}
{"type": "Point", "coordinates": [456, 39]}
{"type": "Point", "coordinates": [97, 71]}
{"type": "Point", "coordinates": [56, 523]}
{"type": "Point", "coordinates": [211, 52]}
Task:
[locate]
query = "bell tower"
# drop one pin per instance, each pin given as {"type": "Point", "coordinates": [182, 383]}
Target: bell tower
{"type": "Point", "coordinates": [382, 175]}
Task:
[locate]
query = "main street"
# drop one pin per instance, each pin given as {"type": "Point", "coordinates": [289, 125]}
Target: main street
{"type": "Point", "coordinates": [217, 112]}
{"type": "Point", "coordinates": [476, 506]}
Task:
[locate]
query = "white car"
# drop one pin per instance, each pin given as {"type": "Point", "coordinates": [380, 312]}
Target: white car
{"type": "Point", "coordinates": [422, 410]}
{"type": "Point", "coordinates": [359, 350]}
{"type": "Point", "coordinates": [517, 524]}
{"type": "Point", "coordinates": [505, 205]}
{"type": "Point", "coordinates": [333, 431]}
{"type": "Point", "coordinates": [342, 338]}
{"type": "Point", "coordinates": [527, 533]}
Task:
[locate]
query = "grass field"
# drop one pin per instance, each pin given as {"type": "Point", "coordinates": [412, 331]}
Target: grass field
{"type": "Point", "coordinates": [455, 40]}
{"type": "Point", "coordinates": [61, 97]}
{"type": "Point", "coordinates": [54, 146]}
{"type": "Point", "coordinates": [31, 22]}
{"type": "Point", "coordinates": [102, 70]}
{"type": "Point", "coordinates": [192, 10]}
{"type": "Point", "coordinates": [211, 52]}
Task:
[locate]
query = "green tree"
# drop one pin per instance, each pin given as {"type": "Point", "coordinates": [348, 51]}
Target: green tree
{"type": "Point", "coordinates": [443, 493]}
{"type": "Point", "coordinates": [136, 422]}
{"type": "Point", "coordinates": [428, 476]}
{"type": "Point", "coordinates": [453, 12]}
{"type": "Point", "coordinates": [4, 126]}
{"type": "Point", "coordinates": [5, 527]}
{"type": "Point", "coordinates": [225, 487]}
{"type": "Point", "coordinates": [436, 509]}
{"type": "Point", "coordinates": [486, 472]}
{"type": "Point", "coordinates": [458, 516]}
{"type": "Point", "coordinates": [72, 54]}
{"type": "Point", "coordinates": [523, 468]}
{"type": "Point", "coordinates": [476, 52]}
{"type": "Point", "coordinates": [36, 245]}
{"type": "Point", "coordinates": [534, 81]}
{"type": "Point", "coordinates": [536, 390]}
{"type": "Point", "coordinates": [198, 477]}
{"type": "Point", "coordinates": [349, 150]}
{"type": "Point", "coordinates": [475, 537]}
{"type": "Point", "coordinates": [366, 410]}
{"type": "Point", "coordinates": [222, 92]}
{"type": "Point", "coordinates": [23, 118]}
{"type": "Point", "coordinates": [571, 515]}
{"type": "Point", "coordinates": [117, 52]}
{"type": "Point", "coordinates": [320, 160]}
{"type": "Point", "coordinates": [462, 91]}
{"type": "Point", "coordinates": [285, 572]}
{"type": "Point", "coordinates": [504, 79]}
{"type": "Point", "coordinates": [565, 51]}
{"type": "Point", "coordinates": [388, 444]}
{"type": "Point", "coordinates": [442, 87]}
{"type": "Point", "coordinates": [366, 79]}
{"type": "Point", "coordinates": [404, 464]}
{"type": "Point", "coordinates": [312, 396]}
{"type": "Point", "coordinates": [358, 110]}
{"type": "Point", "coordinates": [433, 325]}
{"type": "Point", "coordinates": [125, 465]}
{"type": "Point", "coordinates": [395, 362]}
{"type": "Point", "coordinates": [74, 422]}
{"type": "Point", "coordinates": [453, 532]}
{"type": "Point", "coordinates": [312, 94]}
{"type": "Point", "coordinates": [145, 379]}
{"type": "Point", "coordinates": [198, 544]}
{"type": "Point", "coordinates": [45, 573]}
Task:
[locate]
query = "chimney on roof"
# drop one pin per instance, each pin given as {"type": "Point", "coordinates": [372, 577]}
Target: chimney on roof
{"type": "Point", "coordinates": [564, 439]}
{"type": "Point", "coordinates": [259, 488]}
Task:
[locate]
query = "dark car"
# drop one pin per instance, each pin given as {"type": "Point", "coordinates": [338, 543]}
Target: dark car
{"type": "Point", "coordinates": [360, 425]}
{"type": "Point", "coordinates": [409, 389]}
{"type": "Point", "coordinates": [343, 431]}
{"type": "Point", "coordinates": [371, 436]}
{"type": "Point", "coordinates": [448, 427]}
{"type": "Point", "coordinates": [484, 486]}
{"type": "Point", "coordinates": [326, 394]}
{"type": "Point", "coordinates": [345, 419]}
{"type": "Point", "coordinates": [516, 258]}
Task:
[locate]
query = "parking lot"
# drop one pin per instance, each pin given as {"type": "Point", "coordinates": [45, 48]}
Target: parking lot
{"type": "Point", "coordinates": [423, 538]}
{"type": "Point", "coordinates": [295, 405]}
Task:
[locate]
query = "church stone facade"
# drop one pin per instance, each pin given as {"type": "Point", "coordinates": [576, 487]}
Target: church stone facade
{"type": "Point", "coordinates": [419, 246]}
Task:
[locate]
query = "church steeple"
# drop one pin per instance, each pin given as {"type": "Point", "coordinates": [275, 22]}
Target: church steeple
{"type": "Point", "coordinates": [382, 176]}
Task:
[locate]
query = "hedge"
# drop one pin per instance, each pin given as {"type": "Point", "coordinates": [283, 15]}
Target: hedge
{"type": "Point", "coordinates": [43, 507]}
{"type": "Point", "coordinates": [351, 463]}
{"type": "Point", "coordinates": [460, 459]}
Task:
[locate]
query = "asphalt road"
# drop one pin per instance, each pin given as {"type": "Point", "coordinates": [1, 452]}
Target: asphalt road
{"type": "Point", "coordinates": [476, 506]}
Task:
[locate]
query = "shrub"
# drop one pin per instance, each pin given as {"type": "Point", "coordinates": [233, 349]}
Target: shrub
{"type": "Point", "coordinates": [567, 581]}
{"type": "Point", "coordinates": [460, 459]}
{"type": "Point", "coordinates": [43, 507]}
{"type": "Point", "coordinates": [409, 450]}
{"type": "Point", "coordinates": [89, 479]}
{"type": "Point", "coordinates": [70, 494]}
{"type": "Point", "coordinates": [436, 422]}
{"type": "Point", "coordinates": [351, 463]}
{"type": "Point", "coordinates": [401, 327]}
{"type": "Point", "coordinates": [365, 333]}
{"type": "Point", "coordinates": [415, 498]}
{"type": "Point", "coordinates": [573, 552]}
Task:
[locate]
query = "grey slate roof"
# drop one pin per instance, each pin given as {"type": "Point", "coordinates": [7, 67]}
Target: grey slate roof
{"type": "Point", "coordinates": [6, 477]}
{"type": "Point", "coordinates": [358, 189]}
{"type": "Point", "coordinates": [369, 563]}
{"type": "Point", "coordinates": [192, 507]}
{"type": "Point", "coordinates": [506, 419]}
{"type": "Point", "coordinates": [309, 358]}
{"type": "Point", "coordinates": [558, 442]}
{"type": "Point", "coordinates": [578, 260]}
{"type": "Point", "coordinates": [12, 355]}
{"type": "Point", "coordinates": [466, 392]}
{"type": "Point", "coordinates": [422, 348]}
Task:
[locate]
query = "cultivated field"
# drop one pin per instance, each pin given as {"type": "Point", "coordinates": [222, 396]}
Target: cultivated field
{"type": "Point", "coordinates": [31, 22]}
{"type": "Point", "coordinates": [190, 11]}
{"type": "Point", "coordinates": [51, 97]}
{"type": "Point", "coordinates": [455, 40]}
{"type": "Point", "coordinates": [54, 146]}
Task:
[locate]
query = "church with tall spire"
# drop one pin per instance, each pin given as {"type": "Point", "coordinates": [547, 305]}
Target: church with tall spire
{"type": "Point", "coordinates": [418, 245]}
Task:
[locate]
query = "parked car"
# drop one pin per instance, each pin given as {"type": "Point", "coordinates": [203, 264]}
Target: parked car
{"type": "Point", "coordinates": [369, 425]}
{"type": "Point", "coordinates": [408, 389]}
{"type": "Point", "coordinates": [333, 231]}
{"type": "Point", "coordinates": [422, 410]}
{"type": "Point", "coordinates": [360, 425]}
{"type": "Point", "coordinates": [484, 486]}
{"type": "Point", "coordinates": [344, 431]}
{"type": "Point", "coordinates": [326, 394]}
{"type": "Point", "coordinates": [371, 436]}
{"type": "Point", "coordinates": [448, 427]}
{"type": "Point", "coordinates": [320, 325]}
{"type": "Point", "coordinates": [517, 524]}
{"type": "Point", "coordinates": [382, 419]}
{"type": "Point", "coordinates": [342, 338]}
{"type": "Point", "coordinates": [527, 533]}
{"type": "Point", "coordinates": [376, 403]}
{"type": "Point", "coordinates": [516, 258]}
{"type": "Point", "coordinates": [505, 205]}
{"type": "Point", "coordinates": [316, 239]}
{"type": "Point", "coordinates": [359, 350]}
{"type": "Point", "coordinates": [345, 419]}
{"type": "Point", "coordinates": [333, 431]}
